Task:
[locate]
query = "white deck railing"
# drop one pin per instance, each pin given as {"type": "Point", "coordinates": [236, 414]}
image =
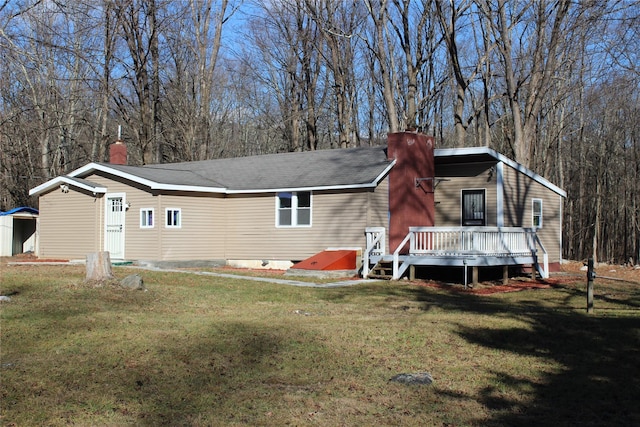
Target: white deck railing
{"type": "Point", "coordinates": [464, 242]}
{"type": "Point", "coordinates": [376, 246]}
{"type": "Point", "coordinates": [453, 241]}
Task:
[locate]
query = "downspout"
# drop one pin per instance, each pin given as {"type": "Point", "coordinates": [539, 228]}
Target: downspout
{"type": "Point", "coordinates": [560, 229]}
{"type": "Point", "coordinates": [99, 205]}
{"type": "Point", "coordinates": [500, 194]}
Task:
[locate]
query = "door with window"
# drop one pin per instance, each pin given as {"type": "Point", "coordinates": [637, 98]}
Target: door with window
{"type": "Point", "coordinates": [473, 208]}
{"type": "Point", "coordinates": [114, 226]}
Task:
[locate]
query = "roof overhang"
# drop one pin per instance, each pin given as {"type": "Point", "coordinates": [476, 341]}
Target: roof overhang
{"type": "Point", "coordinates": [487, 153]}
{"type": "Point", "coordinates": [61, 181]}
{"type": "Point", "coordinates": [21, 212]}
{"type": "Point", "coordinates": [154, 185]}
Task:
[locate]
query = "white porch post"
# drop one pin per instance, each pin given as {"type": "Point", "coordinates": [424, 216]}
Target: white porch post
{"type": "Point", "coordinates": [500, 194]}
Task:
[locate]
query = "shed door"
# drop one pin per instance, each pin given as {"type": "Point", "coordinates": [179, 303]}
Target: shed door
{"type": "Point", "coordinates": [114, 230]}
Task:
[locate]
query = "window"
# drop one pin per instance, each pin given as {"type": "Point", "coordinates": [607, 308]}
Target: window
{"type": "Point", "coordinates": [146, 218]}
{"type": "Point", "coordinates": [537, 213]}
{"type": "Point", "coordinates": [473, 208]}
{"type": "Point", "coordinates": [293, 209]}
{"type": "Point", "coordinates": [115, 204]}
{"type": "Point", "coordinates": [174, 218]}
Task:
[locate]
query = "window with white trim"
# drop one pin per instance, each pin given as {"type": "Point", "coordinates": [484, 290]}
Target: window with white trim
{"type": "Point", "coordinates": [173, 218]}
{"type": "Point", "coordinates": [293, 209]}
{"type": "Point", "coordinates": [146, 218]}
{"type": "Point", "coordinates": [536, 211]}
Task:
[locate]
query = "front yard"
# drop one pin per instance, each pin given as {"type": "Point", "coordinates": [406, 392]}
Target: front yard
{"type": "Point", "coordinates": [201, 350]}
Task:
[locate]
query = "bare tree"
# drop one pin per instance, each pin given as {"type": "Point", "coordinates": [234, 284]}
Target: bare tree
{"type": "Point", "coordinates": [528, 67]}
{"type": "Point", "coordinates": [381, 47]}
{"type": "Point", "coordinates": [138, 28]}
{"type": "Point", "coordinates": [287, 60]}
{"type": "Point", "coordinates": [193, 40]}
{"type": "Point", "coordinates": [464, 65]}
{"type": "Point", "coordinates": [339, 23]}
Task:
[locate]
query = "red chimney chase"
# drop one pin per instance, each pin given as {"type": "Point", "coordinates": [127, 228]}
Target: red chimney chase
{"type": "Point", "coordinates": [411, 184]}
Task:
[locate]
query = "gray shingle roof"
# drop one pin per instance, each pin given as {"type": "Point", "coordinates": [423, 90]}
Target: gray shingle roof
{"type": "Point", "coordinates": [86, 182]}
{"type": "Point", "coordinates": [309, 169]}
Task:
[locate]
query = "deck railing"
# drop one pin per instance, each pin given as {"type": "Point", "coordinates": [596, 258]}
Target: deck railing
{"type": "Point", "coordinates": [489, 241]}
{"type": "Point", "coordinates": [464, 242]}
{"type": "Point", "coordinates": [376, 246]}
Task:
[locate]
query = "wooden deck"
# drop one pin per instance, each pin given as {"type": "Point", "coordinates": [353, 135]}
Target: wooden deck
{"type": "Point", "coordinates": [456, 247]}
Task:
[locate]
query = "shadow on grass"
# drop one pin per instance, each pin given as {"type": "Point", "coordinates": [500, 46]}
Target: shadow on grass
{"type": "Point", "coordinates": [214, 367]}
{"type": "Point", "coordinates": [598, 380]}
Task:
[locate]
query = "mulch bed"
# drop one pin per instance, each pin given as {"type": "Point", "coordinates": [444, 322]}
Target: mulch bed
{"type": "Point", "coordinates": [484, 289]}
{"type": "Point", "coordinates": [30, 258]}
{"type": "Point", "coordinates": [488, 288]}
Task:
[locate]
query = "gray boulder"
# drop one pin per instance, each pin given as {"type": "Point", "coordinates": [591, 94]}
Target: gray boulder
{"type": "Point", "coordinates": [422, 378]}
{"type": "Point", "coordinates": [133, 281]}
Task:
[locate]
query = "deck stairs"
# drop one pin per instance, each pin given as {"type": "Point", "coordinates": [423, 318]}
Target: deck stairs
{"type": "Point", "coordinates": [383, 270]}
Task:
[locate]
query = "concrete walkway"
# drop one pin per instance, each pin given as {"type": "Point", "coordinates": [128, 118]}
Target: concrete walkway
{"type": "Point", "coordinates": [338, 284]}
{"type": "Point", "coordinates": [151, 267]}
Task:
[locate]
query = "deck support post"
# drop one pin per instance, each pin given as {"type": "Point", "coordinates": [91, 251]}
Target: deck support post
{"type": "Point", "coordinates": [464, 262]}
{"type": "Point", "coordinates": [474, 275]}
{"type": "Point", "coordinates": [505, 274]}
{"type": "Point", "coordinates": [412, 272]}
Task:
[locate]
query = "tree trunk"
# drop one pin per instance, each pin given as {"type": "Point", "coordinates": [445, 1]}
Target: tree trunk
{"type": "Point", "coordinates": [379, 17]}
{"type": "Point", "coordinates": [99, 267]}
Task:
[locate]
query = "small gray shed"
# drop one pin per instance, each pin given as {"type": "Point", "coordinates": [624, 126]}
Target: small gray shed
{"type": "Point", "coordinates": [18, 231]}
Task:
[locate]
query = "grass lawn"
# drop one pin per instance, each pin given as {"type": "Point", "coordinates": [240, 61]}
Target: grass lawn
{"type": "Point", "coordinates": [208, 351]}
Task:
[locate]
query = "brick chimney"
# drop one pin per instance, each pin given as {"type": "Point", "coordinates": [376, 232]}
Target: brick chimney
{"type": "Point", "coordinates": [118, 151]}
{"type": "Point", "coordinates": [411, 184]}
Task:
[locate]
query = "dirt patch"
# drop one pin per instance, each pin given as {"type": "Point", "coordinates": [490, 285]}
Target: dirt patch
{"type": "Point", "coordinates": [628, 273]}
{"type": "Point", "coordinates": [29, 258]}
{"type": "Point", "coordinates": [487, 288]}
{"type": "Point", "coordinates": [266, 271]}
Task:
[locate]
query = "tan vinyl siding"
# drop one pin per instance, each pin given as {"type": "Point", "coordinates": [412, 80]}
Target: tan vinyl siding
{"type": "Point", "coordinates": [520, 190]}
{"type": "Point", "coordinates": [213, 226]}
{"type": "Point", "coordinates": [338, 220]}
{"type": "Point", "coordinates": [139, 244]}
{"type": "Point", "coordinates": [452, 179]}
{"type": "Point", "coordinates": [67, 224]}
{"type": "Point", "coordinates": [378, 212]}
{"type": "Point", "coordinates": [201, 234]}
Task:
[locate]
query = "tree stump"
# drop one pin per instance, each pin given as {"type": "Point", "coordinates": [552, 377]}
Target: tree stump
{"type": "Point", "coordinates": [99, 267]}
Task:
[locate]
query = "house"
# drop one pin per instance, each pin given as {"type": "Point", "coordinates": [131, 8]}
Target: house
{"type": "Point", "coordinates": [277, 209]}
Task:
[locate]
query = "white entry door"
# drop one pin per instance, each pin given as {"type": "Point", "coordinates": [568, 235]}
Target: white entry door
{"type": "Point", "coordinates": [114, 226]}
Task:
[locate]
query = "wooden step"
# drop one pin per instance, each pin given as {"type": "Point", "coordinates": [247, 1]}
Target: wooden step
{"type": "Point", "coordinates": [383, 270]}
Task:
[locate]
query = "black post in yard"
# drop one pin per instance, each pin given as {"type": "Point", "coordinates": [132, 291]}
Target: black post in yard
{"type": "Point", "coordinates": [591, 275]}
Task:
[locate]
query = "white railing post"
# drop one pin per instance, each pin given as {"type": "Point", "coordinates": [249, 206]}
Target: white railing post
{"type": "Point", "coordinates": [376, 242]}
{"type": "Point", "coordinates": [396, 255]}
{"type": "Point", "coordinates": [545, 262]}
{"type": "Point", "coordinates": [545, 256]}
